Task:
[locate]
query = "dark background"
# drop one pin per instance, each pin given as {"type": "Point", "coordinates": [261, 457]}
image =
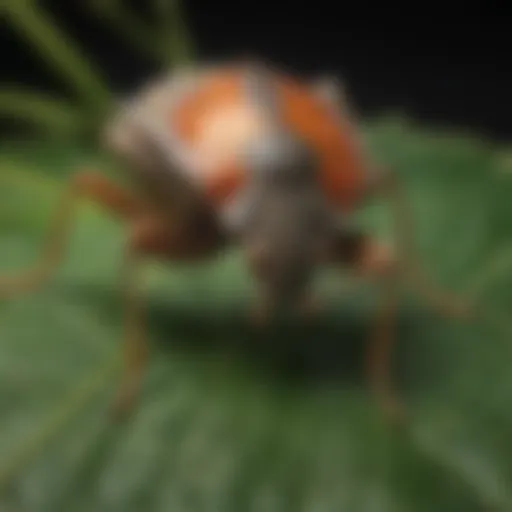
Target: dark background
{"type": "Point", "coordinates": [447, 69]}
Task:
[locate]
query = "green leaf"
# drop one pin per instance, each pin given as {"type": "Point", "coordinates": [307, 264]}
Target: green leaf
{"type": "Point", "coordinates": [235, 419]}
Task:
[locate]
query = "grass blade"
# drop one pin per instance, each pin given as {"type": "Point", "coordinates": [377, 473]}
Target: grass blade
{"type": "Point", "coordinates": [176, 42]}
{"type": "Point", "coordinates": [129, 26]}
{"type": "Point", "coordinates": [59, 50]}
{"type": "Point", "coordinates": [42, 111]}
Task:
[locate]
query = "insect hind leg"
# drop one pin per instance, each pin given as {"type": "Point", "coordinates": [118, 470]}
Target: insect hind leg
{"type": "Point", "coordinates": [407, 263]}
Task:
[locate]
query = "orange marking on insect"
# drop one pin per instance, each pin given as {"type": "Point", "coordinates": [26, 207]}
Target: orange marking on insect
{"type": "Point", "coordinates": [342, 168]}
{"type": "Point", "coordinates": [216, 120]}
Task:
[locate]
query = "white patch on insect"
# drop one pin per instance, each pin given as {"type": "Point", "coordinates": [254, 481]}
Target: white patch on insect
{"type": "Point", "coordinates": [223, 131]}
{"type": "Point", "coordinates": [151, 111]}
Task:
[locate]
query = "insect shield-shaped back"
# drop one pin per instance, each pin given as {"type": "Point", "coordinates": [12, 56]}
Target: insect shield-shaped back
{"type": "Point", "coordinates": [280, 156]}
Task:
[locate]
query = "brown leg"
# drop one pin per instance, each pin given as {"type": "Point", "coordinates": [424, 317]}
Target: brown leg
{"type": "Point", "coordinates": [85, 184]}
{"type": "Point", "coordinates": [150, 237]}
{"type": "Point", "coordinates": [376, 260]}
{"type": "Point", "coordinates": [379, 353]}
{"type": "Point", "coordinates": [261, 308]}
{"type": "Point", "coordinates": [135, 346]}
{"type": "Point", "coordinates": [409, 266]}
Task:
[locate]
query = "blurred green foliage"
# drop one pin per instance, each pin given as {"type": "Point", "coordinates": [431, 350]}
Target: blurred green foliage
{"type": "Point", "coordinates": [232, 419]}
{"type": "Point", "coordinates": [166, 41]}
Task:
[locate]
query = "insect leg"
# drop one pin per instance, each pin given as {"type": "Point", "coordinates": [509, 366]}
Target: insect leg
{"type": "Point", "coordinates": [373, 259]}
{"type": "Point", "coordinates": [408, 264]}
{"type": "Point", "coordinates": [380, 348]}
{"type": "Point", "coordinates": [84, 184]}
{"type": "Point", "coordinates": [150, 236]}
{"type": "Point", "coordinates": [135, 345]}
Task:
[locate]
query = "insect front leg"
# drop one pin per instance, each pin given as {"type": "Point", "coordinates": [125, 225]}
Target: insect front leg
{"type": "Point", "coordinates": [376, 260]}
{"type": "Point", "coordinates": [148, 237]}
{"type": "Point", "coordinates": [152, 236]}
{"type": "Point", "coordinates": [263, 305]}
{"type": "Point", "coordinates": [83, 184]}
{"type": "Point", "coordinates": [379, 351]}
{"type": "Point", "coordinates": [135, 344]}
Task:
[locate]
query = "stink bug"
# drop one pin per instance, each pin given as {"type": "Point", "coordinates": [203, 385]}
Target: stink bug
{"type": "Point", "coordinates": [240, 155]}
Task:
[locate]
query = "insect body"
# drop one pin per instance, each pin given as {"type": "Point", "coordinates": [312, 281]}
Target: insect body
{"type": "Point", "coordinates": [268, 154]}
{"type": "Point", "coordinates": [227, 156]}
{"type": "Point", "coordinates": [211, 119]}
